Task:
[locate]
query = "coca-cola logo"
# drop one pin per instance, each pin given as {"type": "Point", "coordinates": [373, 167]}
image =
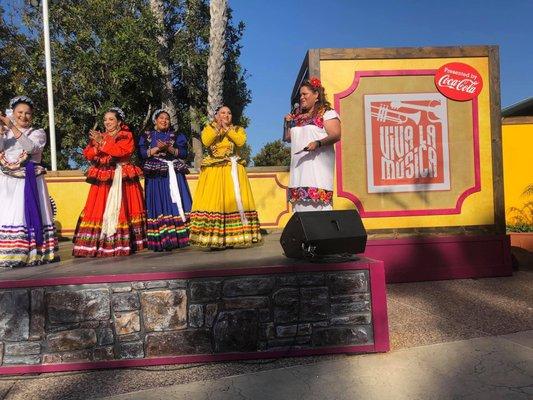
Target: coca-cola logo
{"type": "Point", "coordinates": [458, 81]}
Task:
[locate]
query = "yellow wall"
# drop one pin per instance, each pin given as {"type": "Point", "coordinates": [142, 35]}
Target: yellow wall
{"type": "Point", "coordinates": [517, 163]}
{"type": "Point", "coordinates": [269, 185]}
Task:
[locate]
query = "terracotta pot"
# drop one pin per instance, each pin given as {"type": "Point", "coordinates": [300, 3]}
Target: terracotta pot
{"type": "Point", "coordinates": [523, 240]}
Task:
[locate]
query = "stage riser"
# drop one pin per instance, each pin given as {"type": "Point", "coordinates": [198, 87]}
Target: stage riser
{"type": "Point", "coordinates": [77, 326]}
{"type": "Point", "coordinates": [442, 257]}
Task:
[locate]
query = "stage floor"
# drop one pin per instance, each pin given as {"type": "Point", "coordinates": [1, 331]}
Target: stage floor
{"type": "Point", "coordinates": [268, 254]}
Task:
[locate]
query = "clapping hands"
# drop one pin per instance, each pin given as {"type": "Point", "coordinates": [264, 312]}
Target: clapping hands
{"type": "Point", "coordinates": [96, 136]}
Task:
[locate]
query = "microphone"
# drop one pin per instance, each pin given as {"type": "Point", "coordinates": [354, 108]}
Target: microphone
{"type": "Point", "coordinates": [295, 108]}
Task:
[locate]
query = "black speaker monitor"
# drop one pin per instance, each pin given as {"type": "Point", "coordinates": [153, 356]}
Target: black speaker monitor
{"type": "Point", "coordinates": [317, 233]}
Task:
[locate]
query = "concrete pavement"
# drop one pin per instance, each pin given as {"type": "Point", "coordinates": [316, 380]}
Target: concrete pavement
{"type": "Point", "coordinates": [499, 367]}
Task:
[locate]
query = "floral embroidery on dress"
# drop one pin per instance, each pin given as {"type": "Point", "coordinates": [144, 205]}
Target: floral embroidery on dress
{"type": "Point", "coordinates": [304, 119]}
{"type": "Point", "coordinates": [310, 195]}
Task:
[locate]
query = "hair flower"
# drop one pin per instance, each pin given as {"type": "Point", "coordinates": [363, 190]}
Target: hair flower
{"type": "Point", "coordinates": [315, 82]}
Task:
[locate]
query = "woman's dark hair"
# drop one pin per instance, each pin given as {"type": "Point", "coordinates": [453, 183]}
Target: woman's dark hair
{"type": "Point", "coordinates": [322, 103]}
{"type": "Point", "coordinates": [119, 114]}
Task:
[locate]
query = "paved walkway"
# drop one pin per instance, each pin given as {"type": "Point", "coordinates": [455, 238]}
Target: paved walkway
{"type": "Point", "coordinates": [499, 367]}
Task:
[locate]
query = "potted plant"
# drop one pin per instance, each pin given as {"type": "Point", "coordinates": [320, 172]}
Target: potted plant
{"type": "Point", "coordinates": [520, 226]}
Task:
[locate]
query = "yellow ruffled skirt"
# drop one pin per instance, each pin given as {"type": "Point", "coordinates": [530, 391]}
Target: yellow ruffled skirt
{"type": "Point", "coordinates": [215, 219]}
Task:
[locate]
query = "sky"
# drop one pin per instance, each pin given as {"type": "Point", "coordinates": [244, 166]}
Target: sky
{"type": "Point", "coordinates": [279, 33]}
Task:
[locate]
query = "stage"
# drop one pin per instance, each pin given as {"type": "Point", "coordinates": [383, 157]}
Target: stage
{"type": "Point", "coordinates": [188, 306]}
{"type": "Point", "coordinates": [184, 262]}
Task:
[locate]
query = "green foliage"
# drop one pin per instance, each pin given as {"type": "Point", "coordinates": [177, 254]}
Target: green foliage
{"type": "Point", "coordinates": [521, 218]}
{"type": "Point", "coordinates": [275, 153]}
{"type": "Point", "coordinates": [106, 53]}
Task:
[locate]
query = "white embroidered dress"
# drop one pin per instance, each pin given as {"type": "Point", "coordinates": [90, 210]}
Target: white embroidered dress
{"type": "Point", "coordinates": [311, 172]}
{"type": "Point", "coordinates": [17, 248]}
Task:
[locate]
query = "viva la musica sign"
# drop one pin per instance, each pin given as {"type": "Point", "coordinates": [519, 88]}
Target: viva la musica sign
{"type": "Point", "coordinates": [406, 142]}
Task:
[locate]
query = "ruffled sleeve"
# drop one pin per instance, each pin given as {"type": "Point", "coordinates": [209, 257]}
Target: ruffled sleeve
{"type": "Point", "coordinates": [144, 146]}
{"type": "Point", "coordinates": [331, 114]}
{"type": "Point", "coordinates": [90, 151]}
{"type": "Point", "coordinates": [209, 135]}
{"type": "Point", "coordinates": [119, 146]}
{"type": "Point", "coordinates": [237, 135]}
{"type": "Point", "coordinates": [181, 144]}
{"type": "Point", "coordinates": [33, 142]}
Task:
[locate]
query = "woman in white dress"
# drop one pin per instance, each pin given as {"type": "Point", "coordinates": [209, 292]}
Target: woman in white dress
{"type": "Point", "coordinates": [27, 232]}
{"type": "Point", "coordinates": [312, 130]}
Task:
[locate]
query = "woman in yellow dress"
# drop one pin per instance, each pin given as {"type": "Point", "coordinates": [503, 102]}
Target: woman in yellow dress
{"type": "Point", "coordinates": [223, 210]}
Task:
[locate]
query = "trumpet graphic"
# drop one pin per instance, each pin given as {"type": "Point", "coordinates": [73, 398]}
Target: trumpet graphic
{"type": "Point", "coordinates": [384, 113]}
{"type": "Point", "coordinates": [434, 113]}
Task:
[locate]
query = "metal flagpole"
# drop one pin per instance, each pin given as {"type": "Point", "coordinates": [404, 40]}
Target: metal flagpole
{"type": "Point", "coordinates": [49, 89]}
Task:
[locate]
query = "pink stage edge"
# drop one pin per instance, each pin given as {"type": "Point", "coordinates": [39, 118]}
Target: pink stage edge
{"type": "Point", "coordinates": [379, 316]}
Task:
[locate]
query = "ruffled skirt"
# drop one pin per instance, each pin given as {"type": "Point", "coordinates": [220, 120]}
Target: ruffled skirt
{"type": "Point", "coordinates": [215, 219]}
{"type": "Point", "coordinates": [17, 243]}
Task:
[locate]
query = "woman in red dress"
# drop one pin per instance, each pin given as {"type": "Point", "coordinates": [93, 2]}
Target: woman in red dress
{"type": "Point", "coordinates": [112, 222]}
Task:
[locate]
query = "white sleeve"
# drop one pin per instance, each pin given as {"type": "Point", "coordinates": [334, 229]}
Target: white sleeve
{"type": "Point", "coordinates": [331, 114]}
{"type": "Point", "coordinates": [33, 142]}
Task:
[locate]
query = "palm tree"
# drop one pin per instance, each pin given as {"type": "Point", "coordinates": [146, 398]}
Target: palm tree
{"type": "Point", "coordinates": [215, 63]}
{"type": "Point", "coordinates": [167, 94]}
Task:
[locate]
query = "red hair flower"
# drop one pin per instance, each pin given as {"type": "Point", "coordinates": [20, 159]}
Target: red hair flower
{"type": "Point", "coordinates": [315, 82]}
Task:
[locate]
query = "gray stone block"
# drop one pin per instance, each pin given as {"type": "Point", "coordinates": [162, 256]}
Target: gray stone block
{"type": "Point", "coordinates": [138, 285]}
{"type": "Point", "coordinates": [349, 308]}
{"type": "Point", "coordinates": [285, 297]}
{"type": "Point", "coordinates": [191, 341]}
{"type": "Point", "coordinates": [22, 348]}
{"type": "Point", "coordinates": [311, 279]}
{"type": "Point", "coordinates": [284, 315]}
{"type": "Point", "coordinates": [284, 331]}
{"type": "Point", "coordinates": [132, 337]}
{"type": "Point", "coordinates": [351, 298]}
{"type": "Point", "coordinates": [66, 306]}
{"type": "Point", "coordinates": [264, 315]}
{"type": "Point", "coordinates": [236, 330]}
{"type": "Point", "coordinates": [211, 311]}
{"type": "Point", "coordinates": [156, 284]}
{"type": "Point", "coordinates": [37, 315]}
{"type": "Point", "coordinates": [304, 329]}
{"type": "Point", "coordinates": [77, 339]}
{"type": "Point", "coordinates": [247, 302]}
{"type": "Point", "coordinates": [125, 301]}
{"type": "Point", "coordinates": [105, 336]}
{"type": "Point", "coordinates": [267, 331]}
{"type": "Point", "coordinates": [314, 305]}
{"type": "Point", "coordinates": [249, 286]}
{"type": "Point", "coordinates": [352, 319]}
{"type": "Point", "coordinates": [287, 280]}
{"type": "Point", "coordinates": [77, 356]}
{"type": "Point", "coordinates": [164, 310]}
{"type": "Point", "coordinates": [121, 287]}
{"type": "Point", "coordinates": [177, 284]}
{"type": "Point", "coordinates": [131, 350]}
{"type": "Point", "coordinates": [14, 315]}
{"type": "Point", "coordinates": [25, 360]}
{"type": "Point", "coordinates": [196, 315]}
{"type": "Point", "coordinates": [204, 291]}
{"type": "Point", "coordinates": [338, 336]}
{"type": "Point", "coordinates": [104, 353]}
{"type": "Point", "coordinates": [342, 283]}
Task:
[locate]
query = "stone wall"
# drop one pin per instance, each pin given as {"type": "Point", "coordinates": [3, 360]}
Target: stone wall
{"type": "Point", "coordinates": [72, 323]}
